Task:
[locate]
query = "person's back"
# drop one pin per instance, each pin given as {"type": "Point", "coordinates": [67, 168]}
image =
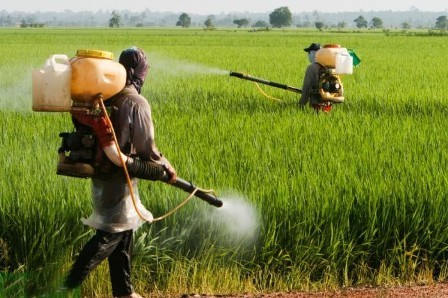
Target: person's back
{"type": "Point", "coordinates": [113, 206]}
{"type": "Point", "coordinates": [310, 84]}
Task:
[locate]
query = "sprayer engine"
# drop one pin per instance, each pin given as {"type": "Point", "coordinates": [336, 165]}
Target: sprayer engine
{"type": "Point", "coordinates": [78, 147]}
{"type": "Point", "coordinates": [330, 87]}
{"type": "Point", "coordinates": [79, 155]}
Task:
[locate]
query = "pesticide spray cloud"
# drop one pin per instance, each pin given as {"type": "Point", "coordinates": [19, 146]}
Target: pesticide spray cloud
{"type": "Point", "coordinates": [174, 67]}
{"type": "Point", "coordinates": [16, 95]}
{"type": "Point", "coordinates": [237, 221]}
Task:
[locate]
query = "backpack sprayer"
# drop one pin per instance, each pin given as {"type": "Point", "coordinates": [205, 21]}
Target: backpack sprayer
{"type": "Point", "coordinates": [79, 86]}
{"type": "Point", "coordinates": [335, 60]}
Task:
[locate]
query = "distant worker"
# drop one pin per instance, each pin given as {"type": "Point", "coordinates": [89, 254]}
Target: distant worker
{"type": "Point", "coordinates": [311, 82]}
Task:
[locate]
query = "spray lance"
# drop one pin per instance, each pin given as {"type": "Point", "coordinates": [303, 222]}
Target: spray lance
{"type": "Point", "coordinates": [245, 76]}
{"type": "Point", "coordinates": [330, 86]}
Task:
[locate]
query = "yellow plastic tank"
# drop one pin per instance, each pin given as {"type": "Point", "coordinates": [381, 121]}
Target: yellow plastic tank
{"type": "Point", "coordinates": [326, 56]}
{"type": "Point", "coordinates": [95, 72]}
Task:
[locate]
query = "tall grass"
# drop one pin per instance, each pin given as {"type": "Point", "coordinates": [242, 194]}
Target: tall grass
{"type": "Point", "coordinates": [354, 197]}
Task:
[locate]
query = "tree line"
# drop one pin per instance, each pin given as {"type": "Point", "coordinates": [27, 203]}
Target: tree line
{"type": "Point", "coordinates": [278, 18]}
{"type": "Point", "coordinates": [282, 17]}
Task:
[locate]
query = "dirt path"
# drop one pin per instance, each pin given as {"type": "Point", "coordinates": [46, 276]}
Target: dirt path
{"type": "Point", "coordinates": [438, 290]}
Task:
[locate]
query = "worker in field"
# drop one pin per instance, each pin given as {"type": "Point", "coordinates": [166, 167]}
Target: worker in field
{"type": "Point", "coordinates": [114, 217]}
{"type": "Point", "coordinates": [311, 82]}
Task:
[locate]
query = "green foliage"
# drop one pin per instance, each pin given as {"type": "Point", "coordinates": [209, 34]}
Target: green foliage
{"type": "Point", "coordinates": [405, 26]}
{"type": "Point", "coordinates": [184, 20]}
{"type": "Point", "coordinates": [115, 20]}
{"type": "Point", "coordinates": [241, 22]}
{"type": "Point", "coordinates": [320, 25]}
{"type": "Point", "coordinates": [354, 197]}
{"type": "Point", "coordinates": [442, 22]}
{"type": "Point", "coordinates": [261, 24]}
{"type": "Point", "coordinates": [280, 17]}
{"type": "Point", "coordinates": [361, 22]}
{"type": "Point", "coordinates": [376, 23]}
{"type": "Point", "coordinates": [209, 23]}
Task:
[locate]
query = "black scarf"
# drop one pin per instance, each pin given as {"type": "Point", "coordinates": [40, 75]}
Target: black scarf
{"type": "Point", "coordinates": [135, 62]}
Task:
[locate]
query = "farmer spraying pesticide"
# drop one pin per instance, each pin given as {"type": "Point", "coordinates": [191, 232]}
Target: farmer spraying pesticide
{"type": "Point", "coordinates": [322, 86]}
{"type": "Point", "coordinates": [112, 150]}
{"type": "Point", "coordinates": [113, 217]}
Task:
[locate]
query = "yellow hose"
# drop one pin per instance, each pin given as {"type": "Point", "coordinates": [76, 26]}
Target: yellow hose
{"type": "Point", "coordinates": [264, 93]}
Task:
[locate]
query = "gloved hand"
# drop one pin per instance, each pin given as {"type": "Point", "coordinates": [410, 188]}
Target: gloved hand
{"type": "Point", "coordinates": [99, 125]}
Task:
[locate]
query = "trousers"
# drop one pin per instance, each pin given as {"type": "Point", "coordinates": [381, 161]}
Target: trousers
{"type": "Point", "coordinates": [116, 247]}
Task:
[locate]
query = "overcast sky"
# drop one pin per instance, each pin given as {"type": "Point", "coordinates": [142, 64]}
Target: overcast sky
{"type": "Point", "coordinates": [207, 7]}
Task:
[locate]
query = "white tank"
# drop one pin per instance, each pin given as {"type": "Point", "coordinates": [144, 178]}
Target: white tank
{"type": "Point", "coordinates": [344, 63]}
{"type": "Point", "coordinates": [51, 85]}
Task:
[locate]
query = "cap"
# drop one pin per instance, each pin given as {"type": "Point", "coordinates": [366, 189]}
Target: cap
{"type": "Point", "coordinates": [312, 47]}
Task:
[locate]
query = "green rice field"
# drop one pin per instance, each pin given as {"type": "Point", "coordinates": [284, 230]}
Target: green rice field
{"type": "Point", "coordinates": [355, 197]}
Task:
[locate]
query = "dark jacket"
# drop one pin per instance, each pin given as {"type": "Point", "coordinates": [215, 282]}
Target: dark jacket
{"type": "Point", "coordinates": [113, 209]}
{"type": "Point", "coordinates": [311, 84]}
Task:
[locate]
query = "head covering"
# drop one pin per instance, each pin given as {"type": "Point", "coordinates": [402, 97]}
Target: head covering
{"type": "Point", "coordinates": [134, 61]}
{"type": "Point", "coordinates": [312, 47]}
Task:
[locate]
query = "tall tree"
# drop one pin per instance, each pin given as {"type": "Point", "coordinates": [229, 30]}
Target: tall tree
{"type": "Point", "coordinates": [376, 23]}
{"type": "Point", "coordinates": [115, 20]}
{"type": "Point", "coordinates": [209, 22]}
{"type": "Point", "coordinates": [361, 22]}
{"type": "Point", "coordinates": [405, 26]}
{"type": "Point", "coordinates": [442, 22]}
{"type": "Point", "coordinates": [319, 25]}
{"type": "Point", "coordinates": [241, 22]}
{"type": "Point", "coordinates": [184, 20]}
{"type": "Point", "coordinates": [280, 17]}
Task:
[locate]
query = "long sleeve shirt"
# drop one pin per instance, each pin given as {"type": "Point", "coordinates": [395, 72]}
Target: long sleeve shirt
{"type": "Point", "coordinates": [310, 84]}
{"type": "Point", "coordinates": [113, 208]}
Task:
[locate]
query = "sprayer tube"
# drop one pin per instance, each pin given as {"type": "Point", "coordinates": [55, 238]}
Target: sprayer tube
{"type": "Point", "coordinates": [189, 187]}
{"type": "Point", "coordinates": [153, 171]}
{"type": "Point", "coordinates": [263, 81]}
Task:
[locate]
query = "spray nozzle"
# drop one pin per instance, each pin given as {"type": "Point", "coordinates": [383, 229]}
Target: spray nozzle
{"type": "Point", "coordinates": [205, 195]}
